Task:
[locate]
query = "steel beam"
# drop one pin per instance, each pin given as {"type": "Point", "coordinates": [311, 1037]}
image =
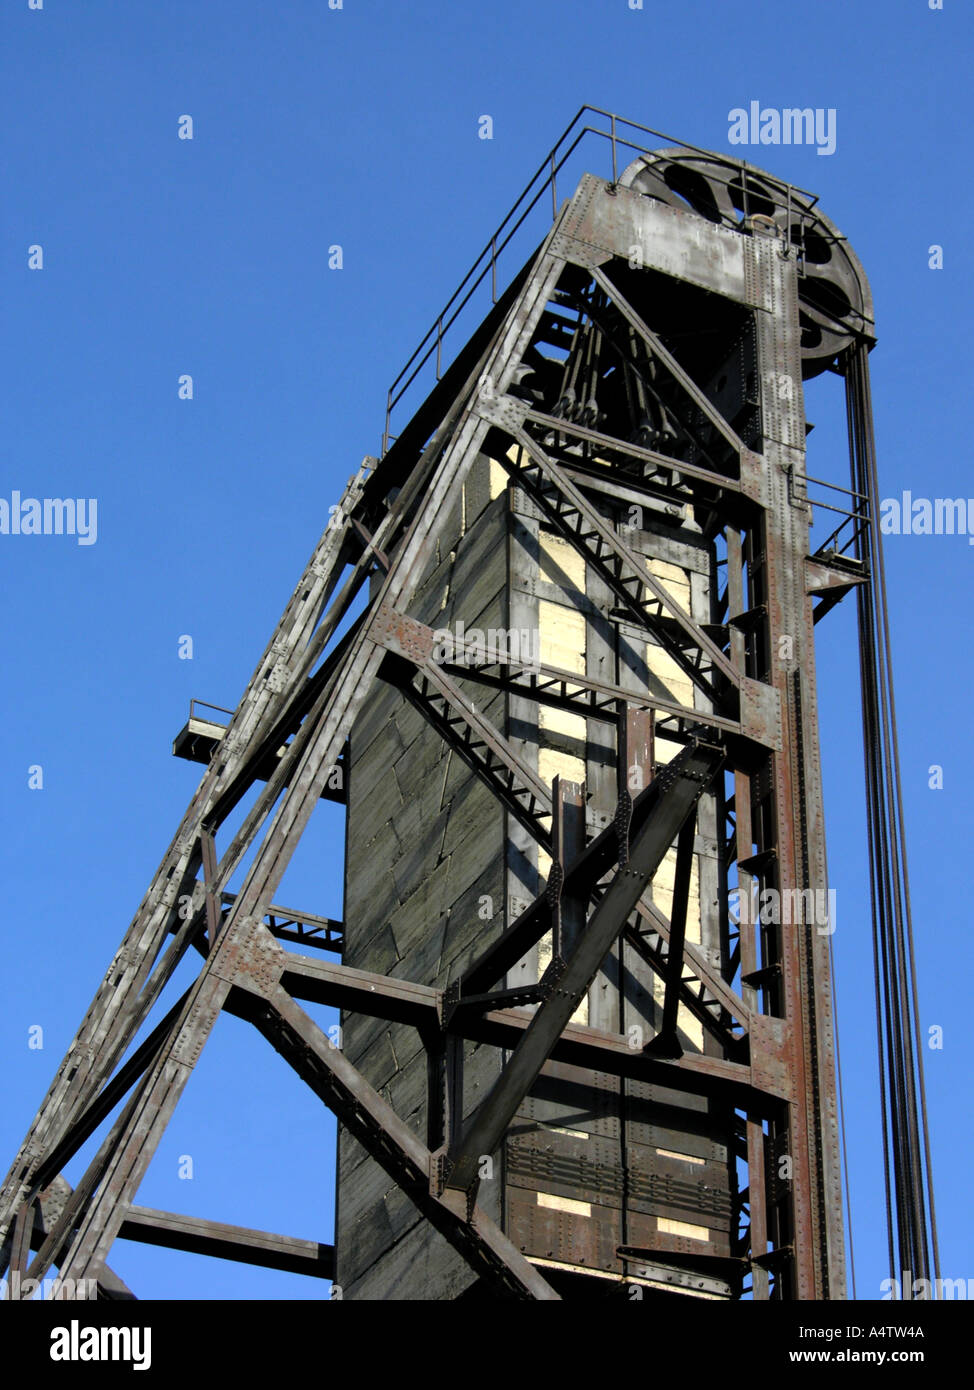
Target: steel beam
{"type": "Point", "coordinates": [425, 1008]}
{"type": "Point", "coordinates": [394, 1145]}
{"type": "Point", "coordinates": [666, 1042]}
{"type": "Point", "coordinates": [673, 796]}
{"type": "Point", "coordinates": [309, 688]}
{"type": "Point", "coordinates": [662, 353]}
{"type": "Point", "coordinates": [620, 568]}
{"type": "Point", "coordinates": [201, 1237]}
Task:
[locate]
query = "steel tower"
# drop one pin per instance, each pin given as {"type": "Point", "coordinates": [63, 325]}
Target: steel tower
{"type": "Point", "coordinates": [554, 651]}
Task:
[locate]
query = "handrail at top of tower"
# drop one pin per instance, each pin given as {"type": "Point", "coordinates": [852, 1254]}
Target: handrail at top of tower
{"type": "Point", "coordinates": [547, 171]}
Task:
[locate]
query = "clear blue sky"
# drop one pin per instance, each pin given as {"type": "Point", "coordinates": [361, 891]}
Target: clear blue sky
{"type": "Point", "coordinates": [164, 256]}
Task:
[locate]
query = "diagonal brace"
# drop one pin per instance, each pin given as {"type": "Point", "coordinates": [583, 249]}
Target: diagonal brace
{"type": "Point", "coordinates": [666, 1042]}
{"type": "Point", "coordinates": [394, 1145]}
{"type": "Point", "coordinates": [674, 795]}
{"type": "Point", "coordinates": [474, 739]}
{"type": "Point", "coordinates": [669, 361]}
{"type": "Point", "coordinates": [622, 569]}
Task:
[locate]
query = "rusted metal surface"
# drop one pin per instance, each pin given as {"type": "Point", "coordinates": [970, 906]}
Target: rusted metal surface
{"type": "Point", "coordinates": [676, 796]}
{"type": "Point", "coordinates": [710, 445]}
{"type": "Point", "coordinates": [146, 1226]}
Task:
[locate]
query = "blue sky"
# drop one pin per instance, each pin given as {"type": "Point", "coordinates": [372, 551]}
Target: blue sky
{"type": "Point", "coordinates": [162, 257]}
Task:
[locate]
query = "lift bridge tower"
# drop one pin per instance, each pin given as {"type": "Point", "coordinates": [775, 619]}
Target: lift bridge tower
{"type": "Point", "coordinates": [572, 714]}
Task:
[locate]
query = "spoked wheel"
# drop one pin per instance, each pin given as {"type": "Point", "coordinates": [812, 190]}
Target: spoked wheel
{"type": "Point", "coordinates": [834, 298]}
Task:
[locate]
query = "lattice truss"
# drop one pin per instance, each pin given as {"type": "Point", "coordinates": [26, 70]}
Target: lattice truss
{"type": "Point", "coordinates": [593, 386]}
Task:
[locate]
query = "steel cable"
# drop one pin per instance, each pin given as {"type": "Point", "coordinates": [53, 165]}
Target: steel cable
{"type": "Point", "coordinates": [907, 1164]}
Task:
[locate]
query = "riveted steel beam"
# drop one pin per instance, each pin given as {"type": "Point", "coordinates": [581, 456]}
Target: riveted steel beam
{"type": "Point", "coordinates": [395, 1146]}
{"type": "Point", "coordinates": [672, 798]}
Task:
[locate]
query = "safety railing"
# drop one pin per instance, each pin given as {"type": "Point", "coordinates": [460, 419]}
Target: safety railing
{"type": "Point", "coordinates": [848, 531]}
{"type": "Point", "coordinates": [204, 704]}
{"type": "Point", "coordinates": [620, 135]}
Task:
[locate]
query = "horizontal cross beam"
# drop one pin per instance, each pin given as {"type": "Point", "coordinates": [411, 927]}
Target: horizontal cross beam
{"type": "Point", "coordinates": [421, 1006]}
{"type": "Point", "coordinates": [201, 1237]}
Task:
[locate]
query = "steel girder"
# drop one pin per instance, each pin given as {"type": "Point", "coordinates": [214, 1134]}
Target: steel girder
{"type": "Point", "coordinates": [674, 795]}
{"type": "Point", "coordinates": [309, 690]}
